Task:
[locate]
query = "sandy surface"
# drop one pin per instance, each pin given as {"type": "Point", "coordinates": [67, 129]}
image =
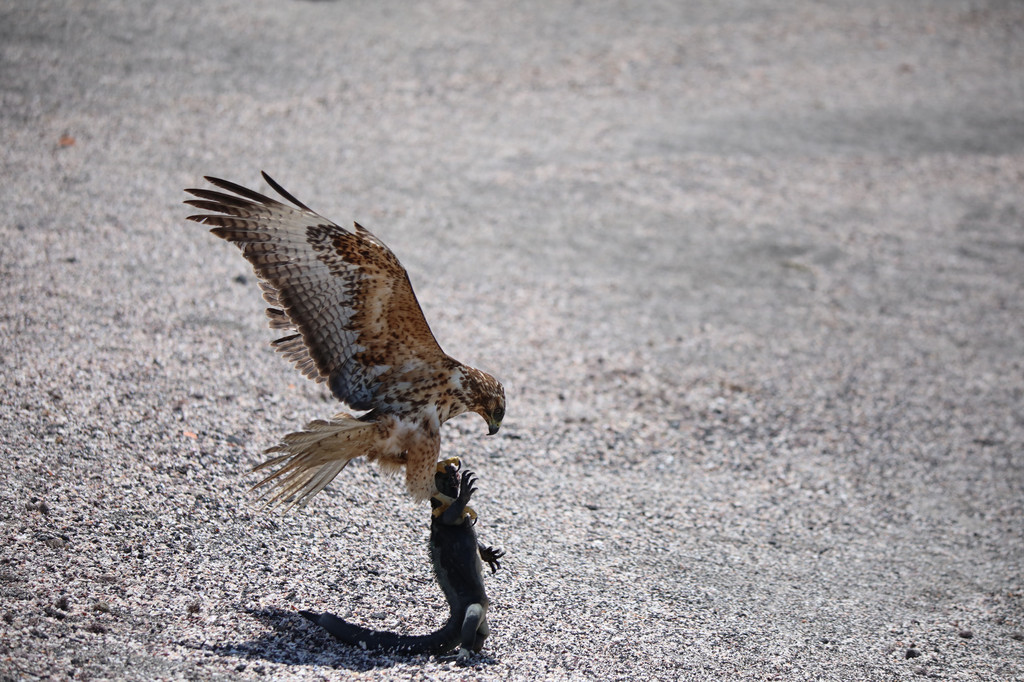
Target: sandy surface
{"type": "Point", "coordinates": [752, 274]}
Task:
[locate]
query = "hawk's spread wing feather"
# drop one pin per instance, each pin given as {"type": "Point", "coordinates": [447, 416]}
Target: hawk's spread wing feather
{"type": "Point", "coordinates": [356, 321]}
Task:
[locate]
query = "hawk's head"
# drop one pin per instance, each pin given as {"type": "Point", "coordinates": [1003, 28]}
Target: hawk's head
{"type": "Point", "coordinates": [484, 395]}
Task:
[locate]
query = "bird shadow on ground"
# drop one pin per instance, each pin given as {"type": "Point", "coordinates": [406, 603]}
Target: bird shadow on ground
{"type": "Point", "coordinates": [291, 640]}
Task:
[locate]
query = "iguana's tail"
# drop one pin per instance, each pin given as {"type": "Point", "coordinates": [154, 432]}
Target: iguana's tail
{"type": "Point", "coordinates": [468, 627]}
{"type": "Point", "coordinates": [312, 457]}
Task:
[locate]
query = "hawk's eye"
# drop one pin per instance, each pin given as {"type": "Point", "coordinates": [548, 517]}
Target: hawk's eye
{"type": "Point", "coordinates": [499, 414]}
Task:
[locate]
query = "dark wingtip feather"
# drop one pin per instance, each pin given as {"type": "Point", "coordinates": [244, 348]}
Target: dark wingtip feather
{"type": "Point", "coordinates": [226, 199]}
{"type": "Point", "coordinates": [285, 339]}
{"type": "Point", "coordinates": [283, 192]}
{"type": "Point", "coordinates": [240, 191]}
{"type": "Point", "coordinates": [205, 205]}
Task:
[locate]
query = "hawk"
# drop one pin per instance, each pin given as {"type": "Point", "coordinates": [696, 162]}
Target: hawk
{"type": "Point", "coordinates": [353, 323]}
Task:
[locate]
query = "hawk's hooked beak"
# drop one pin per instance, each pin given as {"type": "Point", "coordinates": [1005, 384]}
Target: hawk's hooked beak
{"type": "Point", "coordinates": [492, 427]}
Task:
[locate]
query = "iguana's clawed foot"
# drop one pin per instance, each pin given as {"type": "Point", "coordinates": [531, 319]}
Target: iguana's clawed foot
{"type": "Point", "coordinates": [466, 490]}
{"type": "Point", "coordinates": [468, 486]}
{"type": "Point", "coordinates": [490, 556]}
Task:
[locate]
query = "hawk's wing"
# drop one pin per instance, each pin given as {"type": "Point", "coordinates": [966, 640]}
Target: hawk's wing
{"type": "Point", "coordinates": [357, 323]}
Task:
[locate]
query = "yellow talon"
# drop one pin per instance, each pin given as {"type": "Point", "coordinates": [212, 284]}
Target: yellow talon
{"type": "Point", "coordinates": [441, 466]}
{"type": "Point", "coordinates": [443, 502]}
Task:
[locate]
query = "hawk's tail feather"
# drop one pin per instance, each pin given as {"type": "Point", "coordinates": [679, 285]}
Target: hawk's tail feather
{"type": "Point", "coordinates": [311, 458]}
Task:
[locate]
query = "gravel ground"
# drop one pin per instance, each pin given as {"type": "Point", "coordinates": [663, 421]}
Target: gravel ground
{"type": "Point", "coordinates": [752, 274]}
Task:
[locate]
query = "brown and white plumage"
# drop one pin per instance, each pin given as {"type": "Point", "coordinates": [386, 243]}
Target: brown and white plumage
{"type": "Point", "coordinates": [355, 325]}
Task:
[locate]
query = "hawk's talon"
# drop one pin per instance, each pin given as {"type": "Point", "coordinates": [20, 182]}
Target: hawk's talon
{"type": "Point", "coordinates": [442, 503]}
{"type": "Point", "coordinates": [443, 466]}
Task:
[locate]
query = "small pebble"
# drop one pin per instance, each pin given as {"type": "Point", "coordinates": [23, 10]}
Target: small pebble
{"type": "Point", "coordinates": [54, 613]}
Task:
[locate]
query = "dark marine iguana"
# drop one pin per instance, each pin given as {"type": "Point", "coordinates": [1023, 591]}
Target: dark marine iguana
{"type": "Point", "coordinates": [456, 555]}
